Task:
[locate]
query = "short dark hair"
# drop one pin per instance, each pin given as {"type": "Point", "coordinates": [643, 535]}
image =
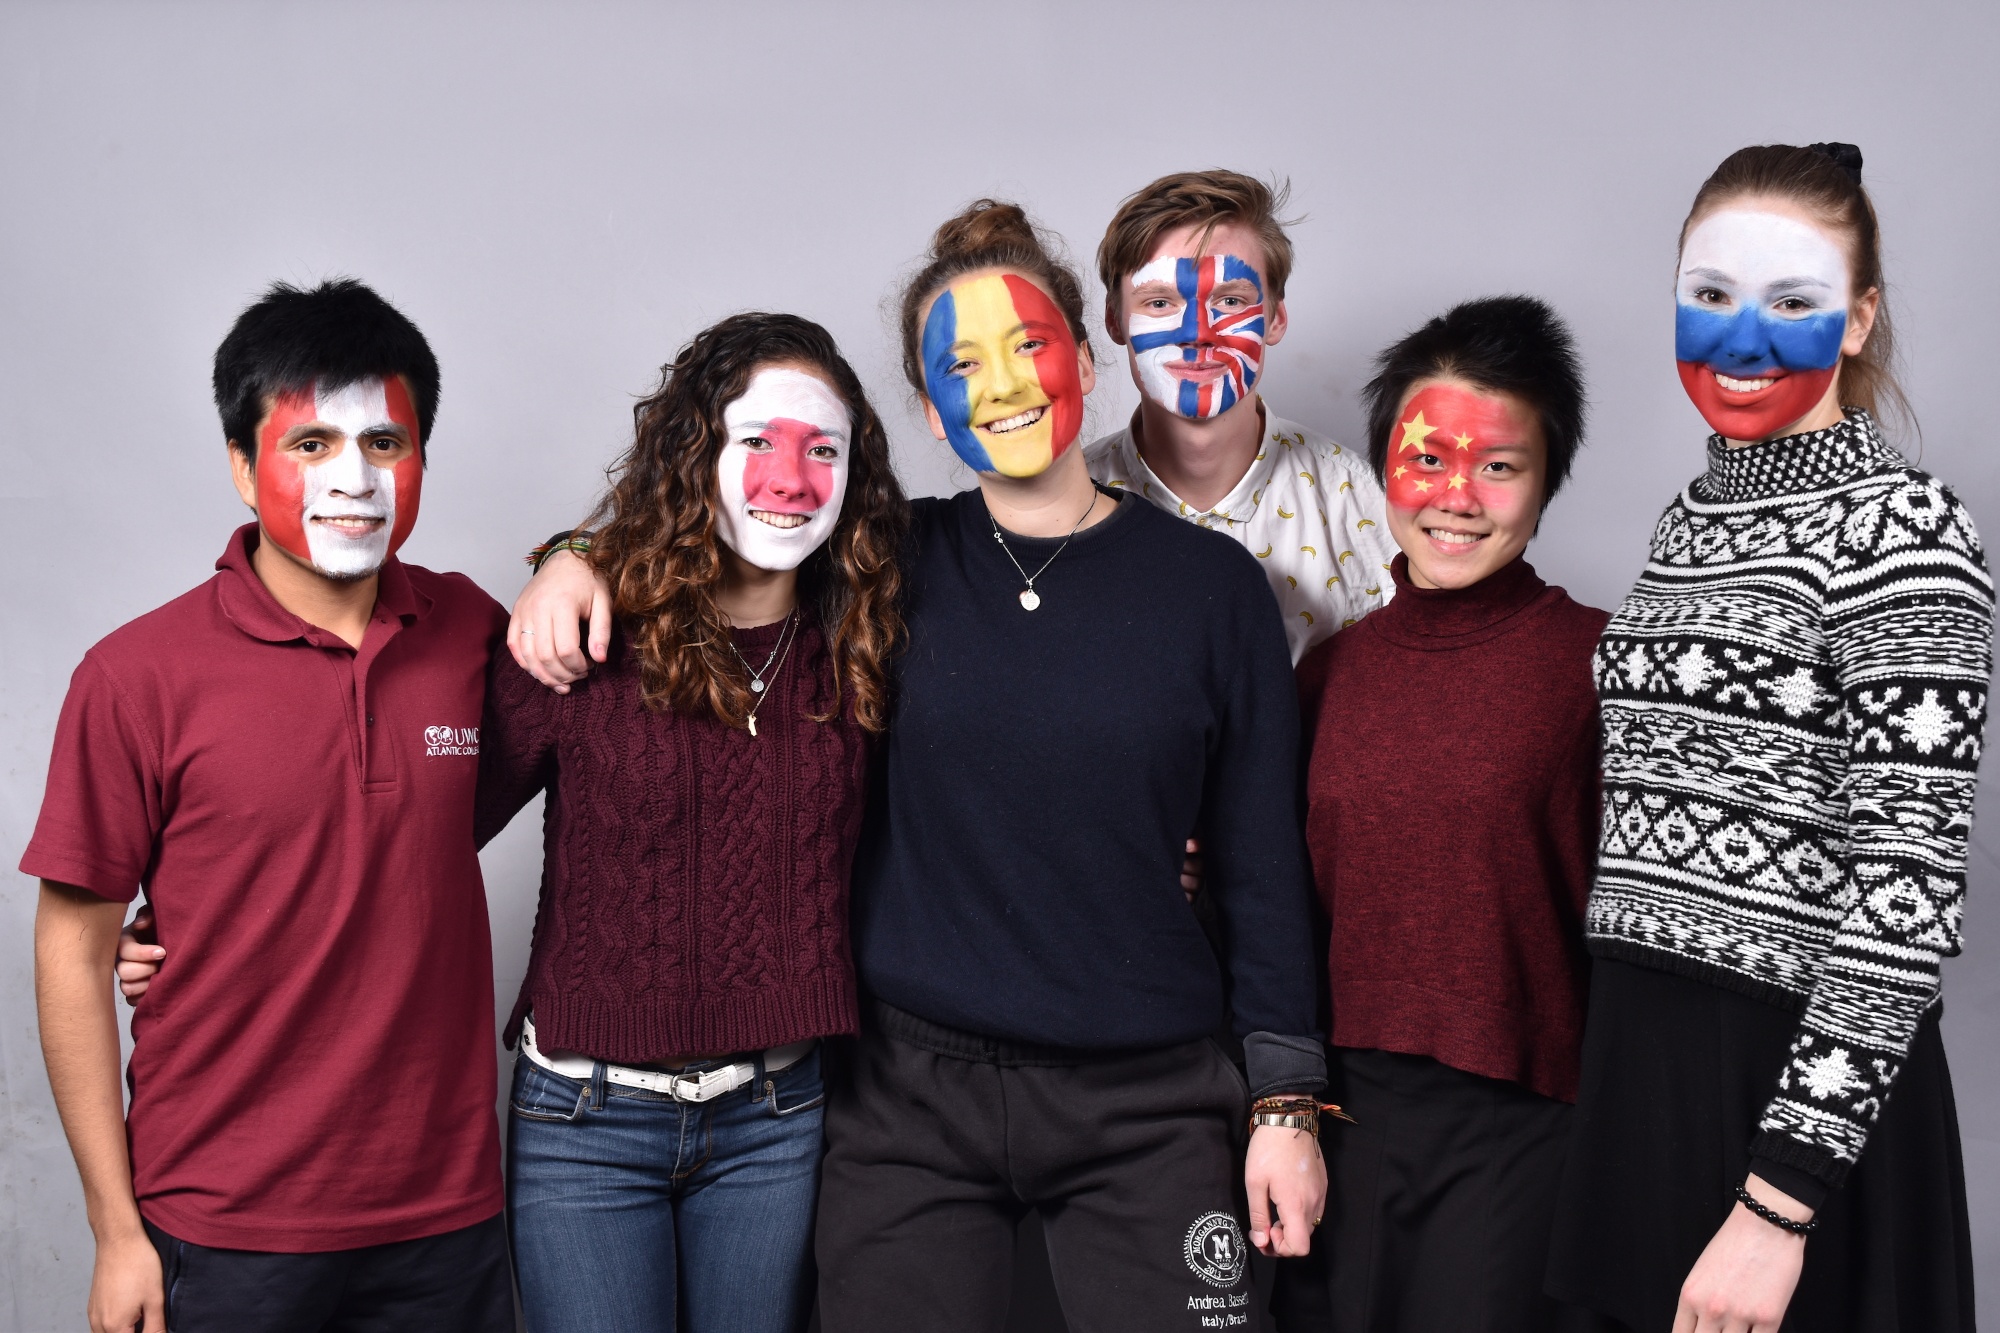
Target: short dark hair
{"type": "Point", "coordinates": [1503, 344]}
{"type": "Point", "coordinates": [331, 335]}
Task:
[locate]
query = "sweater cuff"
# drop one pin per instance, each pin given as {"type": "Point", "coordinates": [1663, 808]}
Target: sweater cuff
{"type": "Point", "coordinates": [1805, 1159]}
{"type": "Point", "coordinates": [1807, 1188]}
{"type": "Point", "coordinates": [1275, 1065]}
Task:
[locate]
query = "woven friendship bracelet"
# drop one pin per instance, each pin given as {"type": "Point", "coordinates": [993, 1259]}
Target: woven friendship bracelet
{"type": "Point", "coordinates": [1296, 1112]}
{"type": "Point", "coordinates": [562, 541]}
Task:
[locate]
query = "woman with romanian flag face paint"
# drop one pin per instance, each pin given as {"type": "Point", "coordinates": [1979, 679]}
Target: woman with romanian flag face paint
{"type": "Point", "coordinates": [1454, 884]}
{"type": "Point", "coordinates": [1793, 696]}
{"type": "Point", "coordinates": [1089, 682]}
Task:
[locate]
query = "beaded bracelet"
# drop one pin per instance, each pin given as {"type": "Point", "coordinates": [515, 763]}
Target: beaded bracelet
{"type": "Point", "coordinates": [1775, 1218]}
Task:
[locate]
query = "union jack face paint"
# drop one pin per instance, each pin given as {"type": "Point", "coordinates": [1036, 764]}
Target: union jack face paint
{"type": "Point", "coordinates": [782, 476]}
{"type": "Point", "coordinates": [1760, 311]}
{"type": "Point", "coordinates": [1000, 368]}
{"type": "Point", "coordinates": [1197, 332]}
{"type": "Point", "coordinates": [340, 474]}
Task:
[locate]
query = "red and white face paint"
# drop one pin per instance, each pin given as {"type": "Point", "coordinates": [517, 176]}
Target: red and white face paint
{"type": "Point", "coordinates": [783, 474]}
{"type": "Point", "coordinates": [340, 474]}
{"type": "Point", "coordinates": [1465, 481]}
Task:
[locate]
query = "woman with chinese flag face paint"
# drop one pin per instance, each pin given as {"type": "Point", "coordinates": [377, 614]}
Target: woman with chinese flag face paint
{"type": "Point", "coordinates": [1454, 884]}
{"type": "Point", "coordinates": [1793, 697]}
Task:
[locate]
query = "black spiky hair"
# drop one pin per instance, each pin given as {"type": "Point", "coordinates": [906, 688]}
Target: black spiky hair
{"type": "Point", "coordinates": [332, 335]}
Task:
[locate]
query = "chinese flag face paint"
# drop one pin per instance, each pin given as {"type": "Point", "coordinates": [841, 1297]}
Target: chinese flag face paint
{"type": "Point", "coordinates": [340, 475]}
{"type": "Point", "coordinates": [1760, 311]}
{"type": "Point", "coordinates": [782, 476]}
{"type": "Point", "coordinates": [1465, 473]}
{"type": "Point", "coordinates": [1000, 367]}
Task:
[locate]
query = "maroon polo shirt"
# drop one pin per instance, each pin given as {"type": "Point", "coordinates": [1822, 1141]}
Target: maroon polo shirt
{"type": "Point", "coordinates": [314, 1067]}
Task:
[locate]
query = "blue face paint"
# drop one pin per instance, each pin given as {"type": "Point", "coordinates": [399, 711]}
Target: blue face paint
{"type": "Point", "coordinates": [1748, 342]}
{"type": "Point", "coordinates": [948, 393]}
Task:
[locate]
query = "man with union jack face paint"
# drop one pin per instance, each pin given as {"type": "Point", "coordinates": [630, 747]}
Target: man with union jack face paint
{"type": "Point", "coordinates": [1194, 268]}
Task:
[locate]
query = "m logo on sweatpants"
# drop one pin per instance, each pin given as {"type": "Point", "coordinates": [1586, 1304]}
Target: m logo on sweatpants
{"type": "Point", "coordinates": [1214, 1249]}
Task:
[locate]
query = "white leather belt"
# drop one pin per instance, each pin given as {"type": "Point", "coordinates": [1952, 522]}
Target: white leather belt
{"type": "Point", "coordinates": [688, 1086]}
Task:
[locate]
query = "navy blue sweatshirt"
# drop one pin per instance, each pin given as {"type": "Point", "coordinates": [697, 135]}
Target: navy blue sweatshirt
{"type": "Point", "coordinates": [1019, 876]}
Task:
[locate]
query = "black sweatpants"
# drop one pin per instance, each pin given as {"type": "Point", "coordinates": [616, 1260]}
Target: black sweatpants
{"type": "Point", "coordinates": [938, 1142]}
{"type": "Point", "coordinates": [457, 1282]}
{"type": "Point", "coordinates": [1439, 1203]}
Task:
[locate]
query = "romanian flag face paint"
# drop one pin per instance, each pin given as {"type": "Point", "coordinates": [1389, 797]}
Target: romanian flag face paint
{"type": "Point", "coordinates": [1197, 332]}
{"type": "Point", "coordinates": [1000, 366]}
{"type": "Point", "coordinates": [1761, 308]}
{"type": "Point", "coordinates": [340, 474]}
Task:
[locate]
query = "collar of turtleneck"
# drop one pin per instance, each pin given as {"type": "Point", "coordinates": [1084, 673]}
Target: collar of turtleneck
{"type": "Point", "coordinates": [1793, 464]}
{"type": "Point", "coordinates": [1438, 619]}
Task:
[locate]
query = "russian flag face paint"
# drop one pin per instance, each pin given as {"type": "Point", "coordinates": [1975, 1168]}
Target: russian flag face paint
{"type": "Point", "coordinates": [782, 476]}
{"type": "Point", "coordinates": [340, 475]}
{"type": "Point", "coordinates": [1196, 329]}
{"type": "Point", "coordinates": [1761, 308]}
{"type": "Point", "coordinates": [1000, 368]}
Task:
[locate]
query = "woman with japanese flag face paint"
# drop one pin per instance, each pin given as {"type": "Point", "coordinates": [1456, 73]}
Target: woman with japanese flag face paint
{"type": "Point", "coordinates": [1451, 814]}
{"type": "Point", "coordinates": [1793, 697]}
{"type": "Point", "coordinates": [705, 788]}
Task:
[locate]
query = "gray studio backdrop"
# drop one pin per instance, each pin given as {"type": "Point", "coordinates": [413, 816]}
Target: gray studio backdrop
{"type": "Point", "coordinates": [561, 195]}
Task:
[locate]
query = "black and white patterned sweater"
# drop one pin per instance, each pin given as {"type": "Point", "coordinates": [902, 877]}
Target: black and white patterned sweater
{"type": "Point", "coordinates": [1794, 696]}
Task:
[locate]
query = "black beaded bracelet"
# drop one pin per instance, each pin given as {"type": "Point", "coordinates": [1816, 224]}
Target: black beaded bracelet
{"type": "Point", "coordinates": [1775, 1218]}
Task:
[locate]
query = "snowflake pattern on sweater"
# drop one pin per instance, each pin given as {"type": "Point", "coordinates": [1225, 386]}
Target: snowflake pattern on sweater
{"type": "Point", "coordinates": [1794, 697]}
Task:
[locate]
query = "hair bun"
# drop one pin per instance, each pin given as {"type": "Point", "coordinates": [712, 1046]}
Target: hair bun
{"type": "Point", "coordinates": [1843, 155]}
{"type": "Point", "coordinates": [986, 224]}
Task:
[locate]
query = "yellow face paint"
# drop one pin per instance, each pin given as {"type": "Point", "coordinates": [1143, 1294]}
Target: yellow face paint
{"type": "Point", "coordinates": [1001, 367]}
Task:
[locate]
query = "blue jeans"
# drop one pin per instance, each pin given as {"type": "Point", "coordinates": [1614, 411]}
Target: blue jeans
{"type": "Point", "coordinates": [634, 1211]}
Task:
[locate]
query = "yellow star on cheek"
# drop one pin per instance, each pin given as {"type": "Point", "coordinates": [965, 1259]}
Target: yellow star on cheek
{"type": "Point", "coordinates": [1400, 470]}
{"type": "Point", "coordinates": [1414, 432]}
{"type": "Point", "coordinates": [1421, 485]}
{"type": "Point", "coordinates": [1457, 481]}
{"type": "Point", "coordinates": [1464, 441]}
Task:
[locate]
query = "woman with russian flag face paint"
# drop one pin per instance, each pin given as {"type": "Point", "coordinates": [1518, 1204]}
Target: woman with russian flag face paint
{"type": "Point", "coordinates": [1793, 696]}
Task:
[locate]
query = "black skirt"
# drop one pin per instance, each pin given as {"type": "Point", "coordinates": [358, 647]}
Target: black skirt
{"type": "Point", "coordinates": [1676, 1075]}
{"type": "Point", "coordinates": [1439, 1198]}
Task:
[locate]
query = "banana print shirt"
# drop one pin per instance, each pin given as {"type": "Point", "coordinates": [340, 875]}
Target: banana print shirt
{"type": "Point", "coordinates": [1308, 509]}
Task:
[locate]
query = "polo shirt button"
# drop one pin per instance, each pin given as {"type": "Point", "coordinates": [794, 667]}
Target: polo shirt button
{"type": "Point", "coordinates": [371, 719]}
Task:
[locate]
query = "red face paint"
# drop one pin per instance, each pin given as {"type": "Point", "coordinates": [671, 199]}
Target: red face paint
{"type": "Point", "coordinates": [786, 480]}
{"type": "Point", "coordinates": [1437, 451]}
{"type": "Point", "coordinates": [410, 469]}
{"type": "Point", "coordinates": [1055, 361]}
{"type": "Point", "coordinates": [293, 487]}
{"type": "Point", "coordinates": [281, 486]}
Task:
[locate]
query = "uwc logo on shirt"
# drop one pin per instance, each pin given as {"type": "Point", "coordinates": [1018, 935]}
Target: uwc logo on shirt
{"type": "Point", "coordinates": [450, 741]}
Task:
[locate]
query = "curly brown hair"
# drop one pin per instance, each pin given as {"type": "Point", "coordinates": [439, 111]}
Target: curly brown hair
{"type": "Point", "coordinates": [654, 541]}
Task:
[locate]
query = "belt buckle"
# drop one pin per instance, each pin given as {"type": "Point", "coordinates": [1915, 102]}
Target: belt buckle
{"type": "Point", "coordinates": [708, 1084]}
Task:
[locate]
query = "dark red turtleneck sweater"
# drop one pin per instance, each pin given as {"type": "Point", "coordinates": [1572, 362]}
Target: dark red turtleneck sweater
{"type": "Point", "coordinates": [1452, 809]}
{"type": "Point", "coordinates": [694, 877]}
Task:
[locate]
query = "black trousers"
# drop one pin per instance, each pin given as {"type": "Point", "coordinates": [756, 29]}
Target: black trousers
{"type": "Point", "coordinates": [939, 1143]}
{"type": "Point", "coordinates": [457, 1282]}
{"type": "Point", "coordinates": [1439, 1201]}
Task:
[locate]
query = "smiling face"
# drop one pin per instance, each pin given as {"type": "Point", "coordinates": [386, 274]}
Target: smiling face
{"type": "Point", "coordinates": [339, 475]}
{"type": "Point", "coordinates": [1466, 476]}
{"type": "Point", "coordinates": [1761, 313]}
{"type": "Point", "coordinates": [1197, 320]}
{"type": "Point", "coordinates": [1003, 374]}
{"type": "Point", "coordinates": [782, 475]}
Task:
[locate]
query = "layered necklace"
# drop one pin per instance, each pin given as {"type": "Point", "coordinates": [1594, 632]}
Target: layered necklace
{"type": "Point", "coordinates": [780, 651]}
{"type": "Point", "coordinates": [1030, 599]}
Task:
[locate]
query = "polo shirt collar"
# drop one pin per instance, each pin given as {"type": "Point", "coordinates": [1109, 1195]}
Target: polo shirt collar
{"type": "Point", "coordinates": [1243, 499]}
{"type": "Point", "coordinates": [250, 606]}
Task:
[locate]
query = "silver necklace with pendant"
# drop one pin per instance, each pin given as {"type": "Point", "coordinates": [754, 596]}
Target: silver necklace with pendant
{"type": "Point", "coordinates": [757, 677]}
{"type": "Point", "coordinates": [1030, 599]}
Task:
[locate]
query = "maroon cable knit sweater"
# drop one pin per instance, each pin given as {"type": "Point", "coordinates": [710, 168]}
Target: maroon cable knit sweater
{"type": "Point", "coordinates": [694, 877]}
{"type": "Point", "coordinates": [1452, 808]}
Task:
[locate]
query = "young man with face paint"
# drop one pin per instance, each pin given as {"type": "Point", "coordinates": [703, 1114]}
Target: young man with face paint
{"type": "Point", "coordinates": [1194, 268]}
{"type": "Point", "coordinates": [705, 789]}
{"type": "Point", "coordinates": [1794, 695]}
{"type": "Point", "coordinates": [1451, 790]}
{"type": "Point", "coordinates": [283, 758]}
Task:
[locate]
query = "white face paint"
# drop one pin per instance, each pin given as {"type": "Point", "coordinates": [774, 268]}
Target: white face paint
{"type": "Point", "coordinates": [1757, 258]}
{"type": "Point", "coordinates": [783, 474]}
{"type": "Point", "coordinates": [348, 486]}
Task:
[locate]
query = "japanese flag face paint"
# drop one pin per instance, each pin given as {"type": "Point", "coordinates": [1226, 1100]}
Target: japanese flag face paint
{"type": "Point", "coordinates": [782, 476]}
{"type": "Point", "coordinates": [1465, 480]}
{"type": "Point", "coordinates": [1761, 310]}
{"type": "Point", "coordinates": [1000, 367]}
{"type": "Point", "coordinates": [339, 475]}
{"type": "Point", "coordinates": [1196, 328]}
